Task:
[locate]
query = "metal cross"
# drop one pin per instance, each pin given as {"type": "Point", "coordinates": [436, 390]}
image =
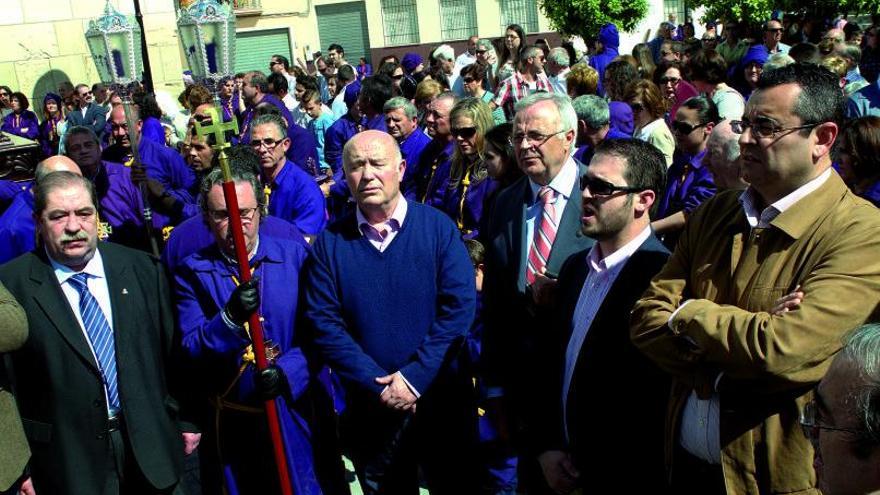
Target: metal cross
{"type": "Point", "coordinates": [217, 127]}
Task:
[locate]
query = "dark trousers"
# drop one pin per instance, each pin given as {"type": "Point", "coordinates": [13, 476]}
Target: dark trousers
{"type": "Point", "coordinates": [694, 476]}
{"type": "Point", "coordinates": [124, 476]}
{"type": "Point", "coordinates": [389, 448]}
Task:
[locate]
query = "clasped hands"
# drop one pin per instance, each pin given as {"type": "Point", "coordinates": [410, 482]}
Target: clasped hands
{"type": "Point", "coordinates": [396, 394]}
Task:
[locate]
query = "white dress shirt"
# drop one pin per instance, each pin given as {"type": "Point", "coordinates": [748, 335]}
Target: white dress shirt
{"type": "Point", "coordinates": [700, 420]}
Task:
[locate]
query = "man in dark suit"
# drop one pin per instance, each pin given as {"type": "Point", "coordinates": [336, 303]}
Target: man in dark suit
{"type": "Point", "coordinates": [582, 444]}
{"type": "Point", "coordinates": [91, 380]}
{"type": "Point", "coordinates": [533, 230]}
{"type": "Point", "coordinates": [89, 113]}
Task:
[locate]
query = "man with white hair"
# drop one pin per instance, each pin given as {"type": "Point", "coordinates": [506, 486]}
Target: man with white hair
{"type": "Point", "coordinates": [722, 157]}
{"type": "Point", "coordinates": [558, 68]}
{"type": "Point", "coordinates": [445, 57]}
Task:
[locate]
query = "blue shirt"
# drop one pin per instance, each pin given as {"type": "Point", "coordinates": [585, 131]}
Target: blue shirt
{"type": "Point", "coordinates": [294, 196]}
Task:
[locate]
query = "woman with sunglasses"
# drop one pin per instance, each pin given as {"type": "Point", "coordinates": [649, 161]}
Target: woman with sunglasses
{"type": "Point", "coordinates": [688, 182]}
{"type": "Point", "coordinates": [21, 122]}
{"type": "Point", "coordinates": [858, 158]}
{"type": "Point", "coordinates": [648, 108]}
{"type": "Point", "coordinates": [51, 128]}
{"type": "Point", "coordinates": [394, 72]}
{"type": "Point", "coordinates": [472, 78]}
{"type": "Point", "coordinates": [669, 77]}
{"type": "Point", "coordinates": [469, 181]}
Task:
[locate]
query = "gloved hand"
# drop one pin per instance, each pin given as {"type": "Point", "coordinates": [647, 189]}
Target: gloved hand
{"type": "Point", "coordinates": [271, 382]}
{"type": "Point", "coordinates": [245, 299]}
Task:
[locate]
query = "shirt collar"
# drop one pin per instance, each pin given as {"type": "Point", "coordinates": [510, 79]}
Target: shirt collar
{"type": "Point", "coordinates": [563, 183]}
{"type": "Point", "coordinates": [749, 200]}
{"type": "Point", "coordinates": [94, 268]}
{"type": "Point", "coordinates": [395, 222]}
{"type": "Point", "coordinates": [617, 258]}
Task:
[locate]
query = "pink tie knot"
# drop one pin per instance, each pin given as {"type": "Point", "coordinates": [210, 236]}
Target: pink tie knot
{"type": "Point", "coordinates": [546, 194]}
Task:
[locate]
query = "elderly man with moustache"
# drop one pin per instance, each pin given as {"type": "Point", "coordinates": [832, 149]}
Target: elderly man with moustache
{"type": "Point", "coordinates": [722, 158]}
{"type": "Point", "coordinates": [392, 335]}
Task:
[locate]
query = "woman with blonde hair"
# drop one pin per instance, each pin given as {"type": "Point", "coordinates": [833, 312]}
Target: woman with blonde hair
{"type": "Point", "coordinates": [469, 181]}
{"type": "Point", "coordinates": [642, 54]}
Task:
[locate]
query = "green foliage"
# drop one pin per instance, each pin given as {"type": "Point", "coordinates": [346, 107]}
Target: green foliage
{"type": "Point", "coordinates": [758, 11]}
{"type": "Point", "coordinates": [585, 17]}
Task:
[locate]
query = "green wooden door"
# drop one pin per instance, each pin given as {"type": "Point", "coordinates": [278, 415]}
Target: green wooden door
{"type": "Point", "coordinates": [255, 48]}
{"type": "Point", "coordinates": [346, 25]}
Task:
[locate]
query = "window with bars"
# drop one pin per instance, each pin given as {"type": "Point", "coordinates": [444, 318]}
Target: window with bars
{"type": "Point", "coordinates": [458, 19]}
{"type": "Point", "coordinates": [675, 7]}
{"type": "Point", "coordinates": [522, 12]}
{"type": "Point", "coordinates": [401, 22]}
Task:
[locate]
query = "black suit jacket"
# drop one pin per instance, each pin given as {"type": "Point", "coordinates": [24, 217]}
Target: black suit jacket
{"type": "Point", "coordinates": [59, 388]}
{"type": "Point", "coordinates": [617, 397]}
{"type": "Point", "coordinates": [95, 118]}
{"type": "Point", "coordinates": [513, 327]}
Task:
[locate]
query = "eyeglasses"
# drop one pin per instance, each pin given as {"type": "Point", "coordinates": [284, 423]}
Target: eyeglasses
{"type": "Point", "coordinates": [4, 94]}
{"type": "Point", "coordinates": [464, 132]}
{"type": "Point", "coordinates": [685, 128]}
{"type": "Point", "coordinates": [667, 80]}
{"type": "Point", "coordinates": [221, 216]}
{"type": "Point", "coordinates": [765, 128]}
{"type": "Point", "coordinates": [269, 143]}
{"type": "Point", "coordinates": [534, 139]}
{"type": "Point", "coordinates": [599, 187]}
{"type": "Point", "coordinates": [810, 424]}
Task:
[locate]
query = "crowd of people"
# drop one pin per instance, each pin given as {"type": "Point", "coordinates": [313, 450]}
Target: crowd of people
{"type": "Point", "coordinates": [521, 269]}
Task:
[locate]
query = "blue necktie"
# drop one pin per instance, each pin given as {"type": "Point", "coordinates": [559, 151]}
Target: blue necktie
{"type": "Point", "coordinates": [100, 334]}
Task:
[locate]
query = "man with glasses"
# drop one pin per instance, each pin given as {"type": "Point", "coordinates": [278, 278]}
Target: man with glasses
{"type": "Point", "coordinates": [720, 317]}
{"type": "Point", "coordinates": [88, 113]}
{"type": "Point", "coordinates": [842, 420]}
{"type": "Point", "coordinates": [213, 308]}
{"type": "Point", "coordinates": [534, 229]}
{"type": "Point", "coordinates": [592, 358]}
{"type": "Point", "coordinates": [528, 80]}
{"type": "Point", "coordinates": [688, 182]}
{"type": "Point", "coordinates": [773, 37]}
{"type": "Point", "coordinates": [291, 193]}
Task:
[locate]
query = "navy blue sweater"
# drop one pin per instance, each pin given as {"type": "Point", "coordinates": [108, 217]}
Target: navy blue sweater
{"type": "Point", "coordinates": [373, 313]}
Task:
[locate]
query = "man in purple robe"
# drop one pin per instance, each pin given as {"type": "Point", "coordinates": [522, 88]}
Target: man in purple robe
{"type": "Point", "coordinates": [213, 307]}
{"type": "Point", "coordinates": [402, 122]}
{"type": "Point", "coordinates": [255, 91]}
{"type": "Point", "coordinates": [432, 172]}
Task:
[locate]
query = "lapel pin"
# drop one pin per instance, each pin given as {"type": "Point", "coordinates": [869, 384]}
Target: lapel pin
{"type": "Point", "coordinates": [124, 291]}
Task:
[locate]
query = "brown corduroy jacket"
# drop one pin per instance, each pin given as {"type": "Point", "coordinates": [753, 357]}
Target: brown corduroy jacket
{"type": "Point", "coordinates": [829, 244]}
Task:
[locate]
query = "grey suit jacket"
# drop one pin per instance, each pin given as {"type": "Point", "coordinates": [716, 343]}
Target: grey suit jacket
{"type": "Point", "coordinates": [14, 451]}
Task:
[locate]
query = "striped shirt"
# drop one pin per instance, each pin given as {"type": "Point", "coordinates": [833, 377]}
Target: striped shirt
{"type": "Point", "coordinates": [515, 88]}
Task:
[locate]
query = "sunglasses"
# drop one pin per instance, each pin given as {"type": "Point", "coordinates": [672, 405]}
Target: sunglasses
{"type": "Point", "coordinates": [464, 132]}
{"type": "Point", "coordinates": [684, 128]}
{"type": "Point", "coordinates": [636, 107]}
{"type": "Point", "coordinates": [397, 77]}
{"type": "Point", "coordinates": [468, 80]}
{"type": "Point", "coordinates": [599, 187]}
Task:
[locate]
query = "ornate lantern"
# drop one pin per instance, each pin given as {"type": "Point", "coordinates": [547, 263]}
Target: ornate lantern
{"type": "Point", "coordinates": [115, 43]}
{"type": "Point", "coordinates": [207, 36]}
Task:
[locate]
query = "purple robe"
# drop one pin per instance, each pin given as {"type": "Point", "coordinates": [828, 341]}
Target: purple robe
{"type": "Point", "coordinates": [119, 207]}
{"type": "Point", "coordinates": [294, 196]}
{"type": "Point", "coordinates": [152, 130]}
{"type": "Point", "coordinates": [9, 189]}
{"type": "Point", "coordinates": [49, 138]}
{"type": "Point", "coordinates": [24, 124]}
{"type": "Point", "coordinates": [432, 173]}
{"type": "Point", "coordinates": [412, 148]}
{"type": "Point", "coordinates": [467, 215]}
{"type": "Point", "coordinates": [203, 285]}
{"type": "Point", "coordinates": [245, 135]}
{"type": "Point", "coordinates": [688, 184]}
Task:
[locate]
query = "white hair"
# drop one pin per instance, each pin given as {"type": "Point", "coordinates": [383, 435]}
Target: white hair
{"type": "Point", "coordinates": [445, 52]}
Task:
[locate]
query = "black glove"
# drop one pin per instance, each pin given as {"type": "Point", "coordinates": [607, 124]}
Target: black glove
{"type": "Point", "coordinates": [245, 299]}
{"type": "Point", "coordinates": [271, 382]}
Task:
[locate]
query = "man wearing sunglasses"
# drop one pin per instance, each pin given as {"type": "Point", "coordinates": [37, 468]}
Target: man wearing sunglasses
{"type": "Point", "coordinates": [688, 182]}
{"type": "Point", "coordinates": [741, 370]}
{"type": "Point", "coordinates": [773, 37]}
{"type": "Point", "coordinates": [581, 445]}
{"type": "Point", "coordinates": [842, 420]}
{"type": "Point", "coordinates": [88, 113]}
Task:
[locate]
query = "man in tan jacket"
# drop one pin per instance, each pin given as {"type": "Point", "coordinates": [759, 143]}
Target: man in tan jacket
{"type": "Point", "coordinates": [14, 451]}
{"type": "Point", "coordinates": [763, 284]}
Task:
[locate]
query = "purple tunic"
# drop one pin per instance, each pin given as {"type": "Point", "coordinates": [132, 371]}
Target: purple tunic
{"type": "Point", "coordinates": [24, 124]}
{"type": "Point", "coordinates": [49, 138]}
{"type": "Point", "coordinates": [203, 285]}
{"type": "Point", "coordinates": [411, 148]}
{"type": "Point", "coordinates": [467, 214]}
{"type": "Point", "coordinates": [688, 184]}
{"type": "Point", "coordinates": [432, 173]}
{"type": "Point", "coordinates": [294, 196]}
{"type": "Point", "coordinates": [245, 135]}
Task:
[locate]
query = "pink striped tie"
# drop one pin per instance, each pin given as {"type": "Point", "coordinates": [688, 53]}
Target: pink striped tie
{"type": "Point", "coordinates": [545, 234]}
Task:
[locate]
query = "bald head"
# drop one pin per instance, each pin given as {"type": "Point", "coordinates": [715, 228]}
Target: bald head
{"type": "Point", "coordinates": [57, 163]}
{"type": "Point", "coordinates": [722, 157]}
{"type": "Point", "coordinates": [373, 170]}
{"type": "Point", "coordinates": [836, 35]}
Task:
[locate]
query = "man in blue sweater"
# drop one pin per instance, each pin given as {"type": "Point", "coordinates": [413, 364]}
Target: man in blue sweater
{"type": "Point", "coordinates": [390, 299]}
